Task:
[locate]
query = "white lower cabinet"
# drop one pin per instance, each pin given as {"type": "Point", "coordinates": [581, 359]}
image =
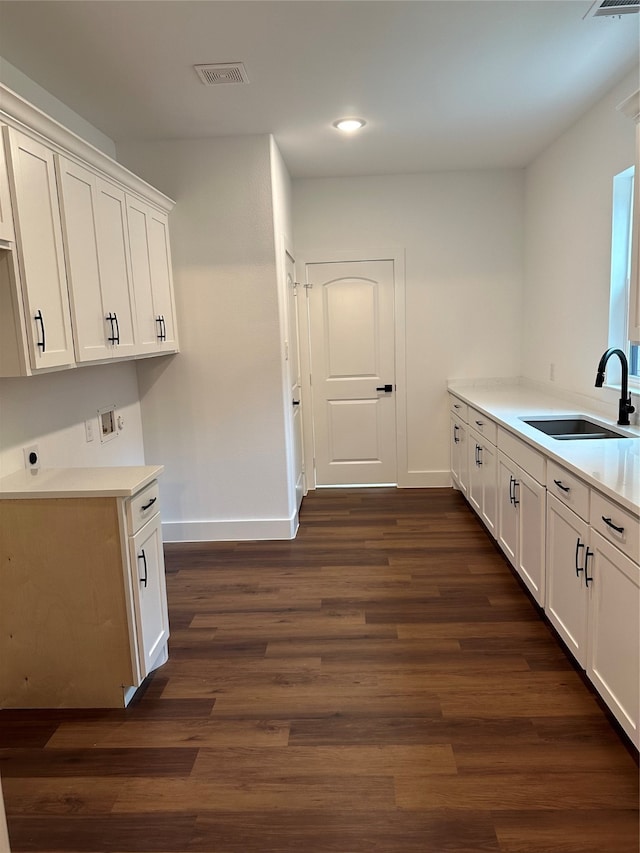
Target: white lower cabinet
{"type": "Point", "coordinates": [574, 547]}
{"type": "Point", "coordinates": [567, 595]}
{"type": "Point", "coordinates": [149, 592]}
{"type": "Point", "coordinates": [521, 523]}
{"type": "Point", "coordinates": [482, 491]}
{"type": "Point", "coordinates": [83, 606]}
{"type": "Point", "coordinates": [613, 660]}
{"type": "Point", "coordinates": [593, 601]}
{"type": "Point", "coordinates": [459, 454]}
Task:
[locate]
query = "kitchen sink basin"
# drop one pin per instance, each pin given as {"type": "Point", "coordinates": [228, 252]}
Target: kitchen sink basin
{"type": "Point", "coordinates": [572, 428]}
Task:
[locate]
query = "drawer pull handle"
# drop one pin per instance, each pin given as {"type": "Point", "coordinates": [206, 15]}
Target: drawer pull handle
{"type": "Point", "coordinates": [143, 557]}
{"type": "Point", "coordinates": [456, 406]}
{"type": "Point", "coordinates": [560, 486]}
{"type": "Point", "coordinates": [146, 506]}
{"type": "Point", "coordinates": [480, 423]}
{"type": "Point", "coordinates": [610, 523]}
{"type": "Point", "coordinates": [579, 569]}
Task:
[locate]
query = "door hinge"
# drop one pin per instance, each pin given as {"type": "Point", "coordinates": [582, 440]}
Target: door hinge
{"type": "Point", "coordinates": [308, 285]}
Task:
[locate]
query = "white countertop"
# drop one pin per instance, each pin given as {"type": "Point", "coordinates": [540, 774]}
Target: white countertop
{"type": "Point", "coordinates": [610, 465]}
{"type": "Point", "coordinates": [78, 482]}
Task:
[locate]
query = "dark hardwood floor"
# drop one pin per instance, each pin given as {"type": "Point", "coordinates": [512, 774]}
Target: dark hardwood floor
{"type": "Point", "coordinates": [382, 684]}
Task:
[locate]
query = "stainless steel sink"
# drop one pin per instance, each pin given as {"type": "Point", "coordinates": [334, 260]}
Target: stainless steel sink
{"type": "Point", "coordinates": [570, 429]}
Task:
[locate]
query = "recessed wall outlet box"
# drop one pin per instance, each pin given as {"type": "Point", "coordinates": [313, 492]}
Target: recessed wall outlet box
{"type": "Point", "coordinates": [107, 423]}
{"type": "Point", "coordinates": [31, 457]}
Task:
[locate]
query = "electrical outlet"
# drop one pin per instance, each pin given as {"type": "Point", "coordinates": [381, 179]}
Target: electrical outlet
{"type": "Point", "coordinates": [88, 430]}
{"type": "Point", "coordinates": [31, 457]}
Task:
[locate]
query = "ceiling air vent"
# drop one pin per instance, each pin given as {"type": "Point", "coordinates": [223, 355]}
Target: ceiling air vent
{"type": "Point", "coordinates": [222, 73]}
{"type": "Point", "coordinates": [612, 8]}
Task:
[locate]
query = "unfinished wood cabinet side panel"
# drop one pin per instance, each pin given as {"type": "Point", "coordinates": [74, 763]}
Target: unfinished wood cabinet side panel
{"type": "Point", "coordinates": [64, 636]}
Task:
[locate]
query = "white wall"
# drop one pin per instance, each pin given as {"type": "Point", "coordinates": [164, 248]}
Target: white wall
{"type": "Point", "coordinates": [462, 237]}
{"type": "Point", "coordinates": [50, 411]}
{"type": "Point", "coordinates": [568, 247]}
{"type": "Point", "coordinates": [214, 414]}
{"type": "Point", "coordinates": [22, 85]}
{"type": "Point", "coordinates": [283, 242]}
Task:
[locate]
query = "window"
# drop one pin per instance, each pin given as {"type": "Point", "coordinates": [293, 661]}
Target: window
{"type": "Point", "coordinates": [621, 276]}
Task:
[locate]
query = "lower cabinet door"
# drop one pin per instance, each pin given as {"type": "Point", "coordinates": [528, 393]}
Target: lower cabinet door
{"type": "Point", "coordinates": [567, 596]}
{"type": "Point", "coordinates": [508, 515]}
{"type": "Point", "coordinates": [530, 563]}
{"type": "Point", "coordinates": [614, 632]}
{"type": "Point", "coordinates": [150, 595]}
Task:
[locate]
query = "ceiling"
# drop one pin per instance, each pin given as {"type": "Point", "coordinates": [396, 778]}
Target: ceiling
{"type": "Point", "coordinates": [442, 84]}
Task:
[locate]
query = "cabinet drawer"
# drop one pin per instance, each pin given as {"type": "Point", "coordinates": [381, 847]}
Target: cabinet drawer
{"type": "Point", "coordinates": [482, 424]}
{"type": "Point", "coordinates": [616, 525]}
{"type": "Point", "coordinates": [142, 507]}
{"type": "Point", "coordinates": [526, 457]}
{"type": "Point", "coordinates": [458, 408]}
{"type": "Point", "coordinates": [568, 489]}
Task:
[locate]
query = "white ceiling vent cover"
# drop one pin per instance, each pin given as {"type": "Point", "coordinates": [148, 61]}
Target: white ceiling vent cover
{"type": "Point", "coordinates": [222, 73]}
{"type": "Point", "coordinates": [611, 8]}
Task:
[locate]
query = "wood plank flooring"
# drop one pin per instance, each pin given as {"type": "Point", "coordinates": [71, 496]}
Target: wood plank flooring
{"type": "Point", "coordinates": [382, 684]}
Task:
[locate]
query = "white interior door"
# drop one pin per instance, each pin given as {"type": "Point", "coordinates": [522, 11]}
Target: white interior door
{"type": "Point", "coordinates": [293, 377]}
{"type": "Point", "coordinates": [352, 346]}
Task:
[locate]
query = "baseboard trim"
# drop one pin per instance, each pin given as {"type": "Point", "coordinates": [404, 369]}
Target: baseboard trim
{"type": "Point", "coordinates": [425, 479]}
{"type": "Point", "coordinates": [230, 530]}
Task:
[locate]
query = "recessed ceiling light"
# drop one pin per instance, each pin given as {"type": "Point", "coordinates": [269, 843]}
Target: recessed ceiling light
{"type": "Point", "coordinates": [348, 125]}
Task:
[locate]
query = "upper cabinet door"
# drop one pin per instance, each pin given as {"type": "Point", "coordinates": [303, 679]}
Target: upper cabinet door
{"type": "Point", "coordinates": [94, 228]}
{"type": "Point", "coordinates": [152, 278]}
{"type": "Point", "coordinates": [40, 251]}
{"type": "Point", "coordinates": [6, 212]}
{"type": "Point", "coordinates": [162, 278]}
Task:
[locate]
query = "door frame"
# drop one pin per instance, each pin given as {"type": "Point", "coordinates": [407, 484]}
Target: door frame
{"type": "Point", "coordinates": [328, 256]}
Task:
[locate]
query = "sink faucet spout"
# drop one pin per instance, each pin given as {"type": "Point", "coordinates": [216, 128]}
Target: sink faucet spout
{"type": "Point", "coordinates": [624, 407]}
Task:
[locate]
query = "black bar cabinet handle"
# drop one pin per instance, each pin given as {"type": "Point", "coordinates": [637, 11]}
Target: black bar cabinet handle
{"type": "Point", "coordinates": [455, 433]}
{"type": "Point", "coordinates": [160, 321]}
{"type": "Point", "coordinates": [511, 482]}
{"type": "Point", "coordinates": [39, 319]}
{"type": "Point", "coordinates": [516, 485]}
{"type": "Point", "coordinates": [146, 506]}
{"type": "Point", "coordinates": [143, 557]}
{"type": "Point", "coordinates": [579, 569]}
{"type": "Point", "coordinates": [610, 523]}
{"type": "Point", "coordinates": [560, 486]}
{"type": "Point", "coordinates": [115, 331]}
{"type": "Point", "coordinates": [478, 454]}
{"type": "Point", "coordinates": [587, 579]}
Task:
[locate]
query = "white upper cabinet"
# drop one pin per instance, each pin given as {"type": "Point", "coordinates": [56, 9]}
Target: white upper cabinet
{"type": "Point", "coordinates": [40, 251]}
{"type": "Point", "coordinates": [85, 264]}
{"type": "Point", "coordinates": [152, 278]}
{"type": "Point", "coordinates": [6, 211]}
{"type": "Point", "coordinates": [95, 238]}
